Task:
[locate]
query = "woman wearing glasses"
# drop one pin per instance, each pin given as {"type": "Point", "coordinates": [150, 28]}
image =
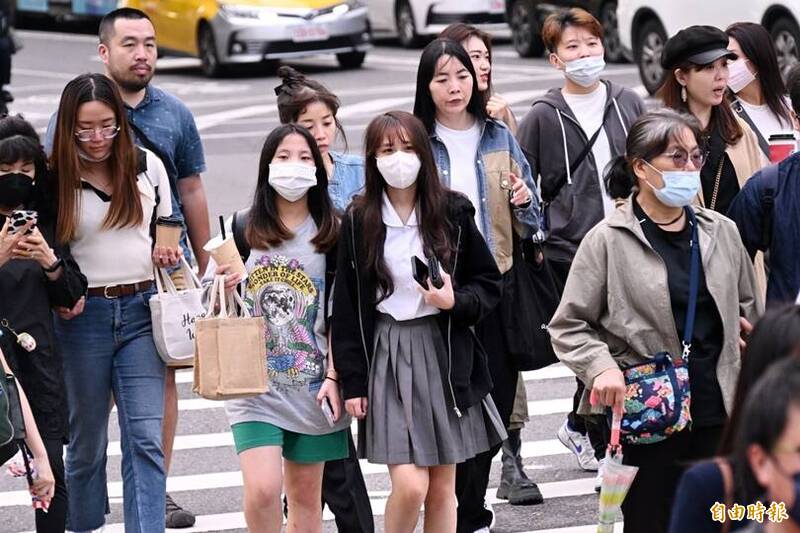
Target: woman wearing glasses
{"type": "Point", "coordinates": [108, 198]}
{"type": "Point", "coordinates": [627, 298]}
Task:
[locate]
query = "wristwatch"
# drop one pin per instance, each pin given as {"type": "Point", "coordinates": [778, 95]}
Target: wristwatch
{"type": "Point", "coordinates": [55, 266]}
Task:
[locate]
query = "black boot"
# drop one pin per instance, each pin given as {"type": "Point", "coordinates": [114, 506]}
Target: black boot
{"type": "Point", "coordinates": [514, 483]}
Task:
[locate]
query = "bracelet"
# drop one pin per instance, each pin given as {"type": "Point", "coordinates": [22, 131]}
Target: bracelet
{"type": "Point", "coordinates": [55, 266]}
{"type": "Point", "coordinates": [332, 379]}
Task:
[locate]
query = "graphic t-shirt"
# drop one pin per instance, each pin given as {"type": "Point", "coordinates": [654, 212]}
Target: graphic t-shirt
{"type": "Point", "coordinates": [286, 285]}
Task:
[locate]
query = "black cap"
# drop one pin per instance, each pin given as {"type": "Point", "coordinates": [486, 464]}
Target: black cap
{"type": "Point", "coordinates": [700, 45]}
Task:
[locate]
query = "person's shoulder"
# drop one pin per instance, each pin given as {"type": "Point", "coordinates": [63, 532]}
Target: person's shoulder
{"type": "Point", "coordinates": [169, 99]}
{"type": "Point", "coordinates": [703, 475]}
{"type": "Point", "coordinates": [352, 160]}
{"type": "Point", "coordinates": [714, 219]}
{"type": "Point", "coordinates": [458, 204]}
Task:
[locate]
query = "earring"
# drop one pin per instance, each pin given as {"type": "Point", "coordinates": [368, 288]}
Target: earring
{"type": "Point", "coordinates": [684, 96]}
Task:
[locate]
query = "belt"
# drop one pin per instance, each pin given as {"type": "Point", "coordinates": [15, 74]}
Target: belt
{"type": "Point", "coordinates": [116, 291]}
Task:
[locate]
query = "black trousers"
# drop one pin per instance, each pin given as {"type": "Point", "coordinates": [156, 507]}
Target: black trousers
{"type": "Point", "coordinates": [648, 504]}
{"type": "Point", "coordinates": [5, 59]}
{"type": "Point", "coordinates": [472, 476]}
{"type": "Point", "coordinates": [54, 520]}
{"type": "Point", "coordinates": [345, 492]}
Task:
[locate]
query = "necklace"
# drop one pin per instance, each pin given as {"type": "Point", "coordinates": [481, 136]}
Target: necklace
{"type": "Point", "coordinates": [671, 222]}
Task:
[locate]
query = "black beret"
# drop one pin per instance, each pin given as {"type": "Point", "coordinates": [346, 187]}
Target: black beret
{"type": "Point", "coordinates": [700, 45]}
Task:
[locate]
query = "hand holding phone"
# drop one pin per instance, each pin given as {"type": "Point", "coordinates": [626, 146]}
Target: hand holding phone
{"type": "Point", "coordinates": [19, 219]}
{"type": "Point", "coordinates": [419, 271]}
{"type": "Point", "coordinates": [435, 272]}
{"type": "Point", "coordinates": [327, 410]}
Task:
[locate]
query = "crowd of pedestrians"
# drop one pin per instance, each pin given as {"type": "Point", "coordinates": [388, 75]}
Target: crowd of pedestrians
{"type": "Point", "coordinates": [389, 284]}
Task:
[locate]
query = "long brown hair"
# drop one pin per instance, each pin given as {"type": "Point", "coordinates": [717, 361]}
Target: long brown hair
{"type": "Point", "coordinates": [431, 196]}
{"type": "Point", "coordinates": [722, 117]}
{"type": "Point", "coordinates": [126, 205]}
{"type": "Point", "coordinates": [460, 32]}
{"type": "Point", "coordinates": [265, 228]}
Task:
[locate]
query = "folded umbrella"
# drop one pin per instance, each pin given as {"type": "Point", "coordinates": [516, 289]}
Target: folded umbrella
{"type": "Point", "coordinates": [617, 478]}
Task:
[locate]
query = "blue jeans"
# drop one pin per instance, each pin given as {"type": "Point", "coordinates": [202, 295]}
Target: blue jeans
{"type": "Point", "coordinates": [109, 349]}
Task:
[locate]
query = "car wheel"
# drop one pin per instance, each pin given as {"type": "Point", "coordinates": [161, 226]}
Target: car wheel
{"type": "Point", "coordinates": [525, 34]}
{"type": "Point", "coordinates": [647, 52]}
{"type": "Point", "coordinates": [349, 60]}
{"type": "Point", "coordinates": [786, 37]}
{"type": "Point", "coordinates": [406, 29]}
{"type": "Point", "coordinates": [208, 53]}
{"type": "Point", "coordinates": [608, 18]}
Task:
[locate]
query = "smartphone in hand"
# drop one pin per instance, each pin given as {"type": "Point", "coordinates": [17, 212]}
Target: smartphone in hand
{"type": "Point", "coordinates": [327, 410]}
{"type": "Point", "coordinates": [435, 272]}
{"type": "Point", "coordinates": [419, 270]}
{"type": "Point", "coordinates": [21, 217]}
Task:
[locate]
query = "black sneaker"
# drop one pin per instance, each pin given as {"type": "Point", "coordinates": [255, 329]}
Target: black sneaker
{"type": "Point", "coordinates": [6, 96]}
{"type": "Point", "coordinates": [177, 517]}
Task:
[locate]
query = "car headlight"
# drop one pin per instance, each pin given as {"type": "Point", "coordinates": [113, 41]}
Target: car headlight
{"type": "Point", "coordinates": [341, 9]}
{"type": "Point", "coordinates": [239, 11]}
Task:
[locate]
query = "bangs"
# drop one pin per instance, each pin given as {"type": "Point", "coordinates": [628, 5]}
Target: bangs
{"type": "Point", "coordinates": [19, 148]}
{"type": "Point", "coordinates": [390, 128]}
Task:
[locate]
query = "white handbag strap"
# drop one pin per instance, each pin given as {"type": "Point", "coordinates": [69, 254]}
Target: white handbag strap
{"type": "Point", "coordinates": [164, 282]}
{"type": "Point", "coordinates": [216, 293]}
{"type": "Point", "coordinates": [189, 275]}
{"type": "Point", "coordinates": [236, 299]}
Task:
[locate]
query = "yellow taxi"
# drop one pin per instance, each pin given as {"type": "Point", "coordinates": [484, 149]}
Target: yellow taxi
{"type": "Point", "coordinates": [228, 32]}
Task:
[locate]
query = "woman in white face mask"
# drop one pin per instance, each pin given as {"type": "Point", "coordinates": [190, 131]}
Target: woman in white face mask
{"type": "Point", "coordinates": [757, 92]}
{"type": "Point", "coordinates": [657, 277]}
{"type": "Point", "coordinates": [287, 240]}
{"type": "Point", "coordinates": [401, 338]}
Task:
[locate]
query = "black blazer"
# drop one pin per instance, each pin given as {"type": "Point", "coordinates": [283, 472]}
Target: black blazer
{"type": "Point", "coordinates": [477, 286]}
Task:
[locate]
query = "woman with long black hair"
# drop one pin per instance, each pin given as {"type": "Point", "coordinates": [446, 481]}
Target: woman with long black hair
{"type": "Point", "coordinates": [407, 359]}
{"type": "Point", "coordinates": [479, 157]}
{"type": "Point", "coordinates": [757, 92]}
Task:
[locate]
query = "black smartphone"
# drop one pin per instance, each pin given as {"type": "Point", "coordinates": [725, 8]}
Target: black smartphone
{"type": "Point", "coordinates": [435, 272]}
{"type": "Point", "coordinates": [419, 270]}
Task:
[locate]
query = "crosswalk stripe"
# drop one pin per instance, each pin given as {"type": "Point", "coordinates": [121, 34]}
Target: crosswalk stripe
{"type": "Point", "coordinates": [228, 521]}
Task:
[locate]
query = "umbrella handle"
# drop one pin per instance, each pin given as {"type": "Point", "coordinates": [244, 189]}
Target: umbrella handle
{"type": "Point", "coordinates": [616, 423]}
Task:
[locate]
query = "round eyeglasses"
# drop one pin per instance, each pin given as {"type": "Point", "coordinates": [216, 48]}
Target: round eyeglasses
{"type": "Point", "coordinates": [108, 132]}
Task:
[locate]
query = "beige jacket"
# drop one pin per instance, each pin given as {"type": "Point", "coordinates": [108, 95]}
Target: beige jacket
{"type": "Point", "coordinates": [616, 308]}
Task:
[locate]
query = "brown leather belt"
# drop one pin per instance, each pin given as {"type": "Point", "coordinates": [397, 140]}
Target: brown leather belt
{"type": "Point", "coordinates": [116, 291]}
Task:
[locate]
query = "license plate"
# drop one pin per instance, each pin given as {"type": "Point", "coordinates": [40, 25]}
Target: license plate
{"type": "Point", "coordinates": [311, 32]}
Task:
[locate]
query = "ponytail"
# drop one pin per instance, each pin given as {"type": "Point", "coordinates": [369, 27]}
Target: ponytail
{"type": "Point", "coordinates": [619, 178]}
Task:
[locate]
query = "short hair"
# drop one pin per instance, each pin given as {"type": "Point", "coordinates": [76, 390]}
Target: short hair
{"type": "Point", "coordinates": [106, 29]}
{"type": "Point", "coordinates": [556, 23]}
{"type": "Point", "coordinates": [793, 87]}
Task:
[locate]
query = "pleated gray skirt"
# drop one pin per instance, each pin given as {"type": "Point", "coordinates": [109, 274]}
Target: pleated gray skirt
{"type": "Point", "coordinates": [410, 418]}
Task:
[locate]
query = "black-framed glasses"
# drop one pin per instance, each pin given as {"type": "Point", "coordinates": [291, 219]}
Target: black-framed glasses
{"type": "Point", "coordinates": [680, 157]}
{"type": "Point", "coordinates": [107, 132]}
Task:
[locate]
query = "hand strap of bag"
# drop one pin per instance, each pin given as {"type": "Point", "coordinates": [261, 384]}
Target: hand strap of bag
{"type": "Point", "coordinates": [164, 283]}
{"type": "Point", "coordinates": [694, 284]}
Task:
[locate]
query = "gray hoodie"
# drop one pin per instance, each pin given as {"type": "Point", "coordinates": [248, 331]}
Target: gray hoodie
{"type": "Point", "coordinates": [552, 139]}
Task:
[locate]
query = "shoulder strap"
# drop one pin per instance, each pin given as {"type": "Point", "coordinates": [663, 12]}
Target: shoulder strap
{"type": "Point", "coordinates": [147, 143]}
{"type": "Point", "coordinates": [239, 226]}
{"type": "Point", "coordinates": [770, 174]}
{"type": "Point", "coordinates": [330, 274]}
{"type": "Point", "coordinates": [141, 157]}
{"type": "Point", "coordinates": [553, 193]}
{"type": "Point", "coordinates": [727, 482]}
{"type": "Point", "coordinates": [762, 142]}
{"type": "Point", "coordinates": [694, 284]}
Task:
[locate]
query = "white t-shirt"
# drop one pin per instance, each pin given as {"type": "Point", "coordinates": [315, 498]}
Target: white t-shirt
{"type": "Point", "coordinates": [589, 110]}
{"type": "Point", "coordinates": [462, 147]}
{"type": "Point", "coordinates": [767, 122]}
{"type": "Point", "coordinates": [119, 256]}
{"type": "Point", "coordinates": [403, 242]}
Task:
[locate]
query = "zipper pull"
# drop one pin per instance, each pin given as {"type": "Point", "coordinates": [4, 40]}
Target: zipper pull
{"type": "Point", "coordinates": [458, 411]}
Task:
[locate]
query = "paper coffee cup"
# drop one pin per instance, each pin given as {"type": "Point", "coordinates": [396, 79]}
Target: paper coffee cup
{"type": "Point", "coordinates": [168, 234]}
{"type": "Point", "coordinates": [225, 252]}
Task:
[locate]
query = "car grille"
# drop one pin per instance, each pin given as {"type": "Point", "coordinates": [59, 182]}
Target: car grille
{"type": "Point", "coordinates": [282, 47]}
{"type": "Point", "coordinates": [468, 18]}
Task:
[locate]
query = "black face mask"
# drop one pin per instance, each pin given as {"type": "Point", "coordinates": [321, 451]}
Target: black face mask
{"type": "Point", "coordinates": [15, 189]}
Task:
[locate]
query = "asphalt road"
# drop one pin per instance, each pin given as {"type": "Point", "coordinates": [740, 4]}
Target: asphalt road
{"type": "Point", "coordinates": [234, 117]}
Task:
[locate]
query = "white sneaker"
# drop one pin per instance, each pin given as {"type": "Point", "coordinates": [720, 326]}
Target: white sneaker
{"type": "Point", "coordinates": [598, 480]}
{"type": "Point", "coordinates": [487, 529]}
{"type": "Point", "coordinates": [579, 445]}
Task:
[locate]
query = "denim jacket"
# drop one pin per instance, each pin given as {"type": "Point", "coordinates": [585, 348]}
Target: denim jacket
{"type": "Point", "coordinates": [498, 154]}
{"type": "Point", "coordinates": [347, 179]}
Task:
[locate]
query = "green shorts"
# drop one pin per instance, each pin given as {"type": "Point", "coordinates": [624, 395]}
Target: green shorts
{"type": "Point", "coordinates": [296, 446]}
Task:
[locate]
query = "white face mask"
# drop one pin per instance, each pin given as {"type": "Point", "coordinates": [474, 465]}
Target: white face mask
{"type": "Point", "coordinates": [585, 71]}
{"type": "Point", "coordinates": [292, 180]}
{"type": "Point", "coordinates": [739, 76]}
{"type": "Point", "coordinates": [399, 169]}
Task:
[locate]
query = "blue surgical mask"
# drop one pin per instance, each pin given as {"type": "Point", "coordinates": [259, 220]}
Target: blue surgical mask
{"type": "Point", "coordinates": [680, 186]}
{"type": "Point", "coordinates": [585, 71]}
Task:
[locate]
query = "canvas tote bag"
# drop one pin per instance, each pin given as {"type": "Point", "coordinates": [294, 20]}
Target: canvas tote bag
{"type": "Point", "coordinates": [174, 313]}
{"type": "Point", "coordinates": [230, 348]}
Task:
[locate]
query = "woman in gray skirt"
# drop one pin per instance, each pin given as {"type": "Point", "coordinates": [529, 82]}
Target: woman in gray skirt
{"type": "Point", "coordinates": [409, 365]}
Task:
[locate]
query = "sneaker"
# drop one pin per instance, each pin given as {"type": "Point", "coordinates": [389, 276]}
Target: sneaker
{"type": "Point", "coordinates": [598, 479]}
{"type": "Point", "coordinates": [6, 96]}
{"type": "Point", "coordinates": [177, 517]}
{"type": "Point", "coordinates": [579, 445]}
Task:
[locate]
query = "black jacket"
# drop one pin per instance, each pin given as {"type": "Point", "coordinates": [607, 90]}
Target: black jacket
{"type": "Point", "coordinates": [26, 299]}
{"type": "Point", "coordinates": [477, 287]}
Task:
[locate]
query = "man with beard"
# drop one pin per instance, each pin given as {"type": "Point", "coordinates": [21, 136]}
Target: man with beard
{"type": "Point", "coordinates": [164, 125]}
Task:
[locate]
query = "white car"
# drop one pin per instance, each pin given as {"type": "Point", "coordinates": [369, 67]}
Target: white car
{"type": "Point", "coordinates": [645, 25]}
{"type": "Point", "coordinates": [414, 20]}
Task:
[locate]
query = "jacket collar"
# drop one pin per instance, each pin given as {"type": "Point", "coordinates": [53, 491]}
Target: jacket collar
{"type": "Point", "coordinates": [391, 218]}
{"type": "Point", "coordinates": [707, 225]}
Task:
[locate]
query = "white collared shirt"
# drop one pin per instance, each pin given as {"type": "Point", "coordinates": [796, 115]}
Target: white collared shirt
{"type": "Point", "coordinates": [403, 241]}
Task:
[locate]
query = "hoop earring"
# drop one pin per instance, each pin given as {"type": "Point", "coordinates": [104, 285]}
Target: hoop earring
{"type": "Point", "coordinates": [684, 96]}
